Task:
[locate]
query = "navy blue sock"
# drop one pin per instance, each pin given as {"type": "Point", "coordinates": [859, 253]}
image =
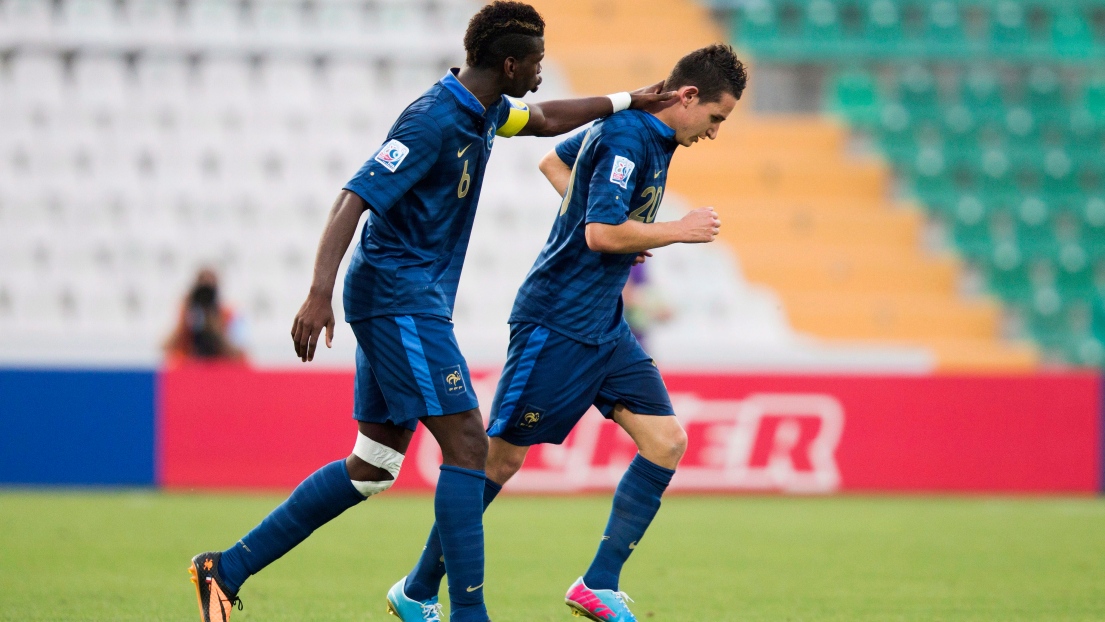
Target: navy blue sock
{"type": "Point", "coordinates": [458, 505]}
{"type": "Point", "coordinates": [636, 502]}
{"type": "Point", "coordinates": [424, 582]}
{"type": "Point", "coordinates": [315, 502]}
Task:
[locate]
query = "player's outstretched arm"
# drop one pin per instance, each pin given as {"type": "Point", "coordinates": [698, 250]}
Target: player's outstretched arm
{"type": "Point", "coordinates": [697, 227]}
{"type": "Point", "coordinates": [556, 117]}
{"type": "Point", "coordinates": [317, 312]}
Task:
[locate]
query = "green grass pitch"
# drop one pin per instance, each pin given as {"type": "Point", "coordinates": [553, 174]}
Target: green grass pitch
{"type": "Point", "coordinates": [123, 556]}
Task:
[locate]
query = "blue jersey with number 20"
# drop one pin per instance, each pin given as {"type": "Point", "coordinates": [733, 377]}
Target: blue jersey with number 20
{"type": "Point", "coordinates": [619, 168]}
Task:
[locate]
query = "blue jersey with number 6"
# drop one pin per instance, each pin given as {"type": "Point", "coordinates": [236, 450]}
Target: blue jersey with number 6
{"type": "Point", "coordinates": [422, 186]}
{"type": "Point", "coordinates": [619, 168]}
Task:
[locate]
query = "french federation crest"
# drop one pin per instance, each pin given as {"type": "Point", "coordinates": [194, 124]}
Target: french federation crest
{"type": "Point", "coordinates": [453, 379]}
{"type": "Point", "coordinates": [391, 155]}
{"type": "Point", "coordinates": [623, 168]}
{"type": "Point", "coordinates": [531, 416]}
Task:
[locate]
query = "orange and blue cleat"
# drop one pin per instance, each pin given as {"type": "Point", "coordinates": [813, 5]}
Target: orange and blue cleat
{"type": "Point", "coordinates": [598, 605]}
{"type": "Point", "coordinates": [216, 602]}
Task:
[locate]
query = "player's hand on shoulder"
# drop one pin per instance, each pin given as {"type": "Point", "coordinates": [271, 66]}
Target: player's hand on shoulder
{"type": "Point", "coordinates": [642, 257]}
{"type": "Point", "coordinates": [700, 225]}
{"type": "Point", "coordinates": [646, 96]}
{"type": "Point", "coordinates": [316, 315]}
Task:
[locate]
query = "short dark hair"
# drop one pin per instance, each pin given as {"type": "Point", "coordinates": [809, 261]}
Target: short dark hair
{"type": "Point", "coordinates": [502, 30]}
{"type": "Point", "coordinates": [714, 69]}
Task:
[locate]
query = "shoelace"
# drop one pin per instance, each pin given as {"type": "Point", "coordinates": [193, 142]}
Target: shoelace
{"type": "Point", "coordinates": [622, 597]}
{"type": "Point", "coordinates": [235, 602]}
{"type": "Point", "coordinates": [432, 613]}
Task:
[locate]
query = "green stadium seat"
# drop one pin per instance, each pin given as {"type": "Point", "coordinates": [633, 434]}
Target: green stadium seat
{"type": "Point", "coordinates": [1033, 219]}
{"type": "Point", "coordinates": [1059, 177]}
{"type": "Point", "coordinates": [883, 29]}
{"type": "Point", "coordinates": [1081, 133]}
{"type": "Point", "coordinates": [1006, 271]}
{"type": "Point", "coordinates": [1009, 32]}
{"type": "Point", "coordinates": [1075, 271]}
{"type": "Point", "coordinates": [944, 34]}
{"type": "Point", "coordinates": [981, 91]}
{"type": "Point", "coordinates": [980, 236]}
{"type": "Point", "coordinates": [959, 124]}
{"type": "Point", "coordinates": [1093, 100]}
{"type": "Point", "coordinates": [821, 30]}
{"type": "Point", "coordinates": [995, 176]}
{"type": "Point", "coordinates": [896, 135]}
{"type": "Point", "coordinates": [1086, 350]}
{"type": "Point", "coordinates": [917, 91]}
{"type": "Point", "coordinates": [1022, 130]}
{"type": "Point", "coordinates": [855, 96]}
{"type": "Point", "coordinates": [1071, 33]}
{"type": "Point", "coordinates": [1092, 215]}
{"type": "Point", "coordinates": [1043, 90]}
{"type": "Point", "coordinates": [757, 26]}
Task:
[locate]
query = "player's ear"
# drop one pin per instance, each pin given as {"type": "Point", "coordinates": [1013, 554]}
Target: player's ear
{"type": "Point", "coordinates": [510, 67]}
{"type": "Point", "coordinates": [688, 95]}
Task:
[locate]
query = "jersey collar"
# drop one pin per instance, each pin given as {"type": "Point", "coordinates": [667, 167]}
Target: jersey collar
{"type": "Point", "coordinates": [461, 92]}
{"type": "Point", "coordinates": [662, 129]}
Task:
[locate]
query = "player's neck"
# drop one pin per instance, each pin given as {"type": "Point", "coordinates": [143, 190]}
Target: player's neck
{"type": "Point", "coordinates": [482, 83]}
{"type": "Point", "coordinates": [664, 111]}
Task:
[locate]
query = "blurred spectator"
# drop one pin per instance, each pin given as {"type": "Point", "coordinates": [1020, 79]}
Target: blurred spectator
{"type": "Point", "coordinates": [644, 308]}
{"type": "Point", "coordinates": [206, 329]}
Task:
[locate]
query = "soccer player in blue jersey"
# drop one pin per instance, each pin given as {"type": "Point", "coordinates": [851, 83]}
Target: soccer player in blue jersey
{"type": "Point", "coordinates": [422, 187]}
{"type": "Point", "coordinates": [570, 347]}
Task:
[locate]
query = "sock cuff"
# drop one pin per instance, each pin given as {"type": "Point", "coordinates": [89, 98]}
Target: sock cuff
{"type": "Point", "coordinates": [347, 482]}
{"type": "Point", "coordinates": [469, 472]}
{"type": "Point", "coordinates": [651, 471]}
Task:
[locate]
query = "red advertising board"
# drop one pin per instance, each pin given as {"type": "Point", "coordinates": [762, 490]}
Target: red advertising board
{"type": "Point", "coordinates": [239, 428]}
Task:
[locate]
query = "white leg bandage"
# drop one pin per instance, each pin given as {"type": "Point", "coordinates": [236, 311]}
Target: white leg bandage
{"type": "Point", "coordinates": [380, 456]}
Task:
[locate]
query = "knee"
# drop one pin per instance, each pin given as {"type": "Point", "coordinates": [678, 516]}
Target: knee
{"type": "Point", "coordinates": [361, 471]}
{"type": "Point", "coordinates": [676, 443]}
{"type": "Point", "coordinates": [666, 447]}
{"type": "Point", "coordinates": [502, 467]}
{"type": "Point", "coordinates": [372, 466]}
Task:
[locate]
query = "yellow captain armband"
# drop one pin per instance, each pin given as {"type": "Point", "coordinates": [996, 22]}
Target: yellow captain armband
{"type": "Point", "coordinates": [516, 119]}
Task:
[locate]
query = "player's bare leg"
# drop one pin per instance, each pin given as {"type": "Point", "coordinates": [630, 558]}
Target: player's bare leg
{"type": "Point", "coordinates": [661, 442]}
{"type": "Point", "coordinates": [504, 460]}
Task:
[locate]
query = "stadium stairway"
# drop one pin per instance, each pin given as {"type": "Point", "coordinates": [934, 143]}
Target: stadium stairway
{"type": "Point", "coordinates": [806, 217]}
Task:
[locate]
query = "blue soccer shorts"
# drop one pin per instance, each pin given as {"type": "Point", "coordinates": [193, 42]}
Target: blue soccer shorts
{"type": "Point", "coordinates": [408, 367]}
{"type": "Point", "coordinates": [551, 380]}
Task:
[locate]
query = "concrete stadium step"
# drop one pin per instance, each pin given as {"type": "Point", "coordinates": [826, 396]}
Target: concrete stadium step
{"type": "Point", "coordinates": [891, 315]}
{"type": "Point", "coordinates": [846, 276]}
{"type": "Point", "coordinates": [885, 228]}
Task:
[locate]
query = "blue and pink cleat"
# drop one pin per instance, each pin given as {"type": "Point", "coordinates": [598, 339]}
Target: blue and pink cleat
{"type": "Point", "coordinates": [598, 605]}
{"type": "Point", "coordinates": [410, 610]}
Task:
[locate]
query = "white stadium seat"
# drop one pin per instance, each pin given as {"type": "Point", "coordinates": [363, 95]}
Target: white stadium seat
{"type": "Point", "coordinates": [140, 140]}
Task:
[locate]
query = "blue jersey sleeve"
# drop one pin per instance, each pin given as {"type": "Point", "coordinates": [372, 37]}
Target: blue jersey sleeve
{"type": "Point", "coordinates": [614, 178]}
{"type": "Point", "coordinates": [568, 149]}
{"type": "Point", "coordinates": [411, 149]}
